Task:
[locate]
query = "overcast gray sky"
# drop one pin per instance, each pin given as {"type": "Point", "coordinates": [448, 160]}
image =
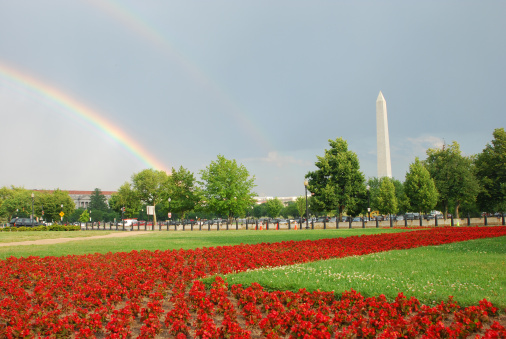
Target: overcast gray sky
{"type": "Point", "coordinates": [264, 82]}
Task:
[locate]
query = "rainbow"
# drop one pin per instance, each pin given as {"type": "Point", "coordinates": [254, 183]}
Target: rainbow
{"type": "Point", "coordinates": [87, 114]}
{"type": "Point", "coordinates": [142, 28]}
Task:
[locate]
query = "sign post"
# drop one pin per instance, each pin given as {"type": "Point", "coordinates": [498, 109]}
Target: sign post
{"type": "Point", "coordinates": [151, 211]}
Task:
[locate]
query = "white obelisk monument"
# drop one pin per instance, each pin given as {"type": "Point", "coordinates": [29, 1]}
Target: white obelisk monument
{"type": "Point", "coordinates": [383, 140]}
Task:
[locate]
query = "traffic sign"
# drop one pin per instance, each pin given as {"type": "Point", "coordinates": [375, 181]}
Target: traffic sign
{"type": "Point", "coordinates": [62, 214]}
{"type": "Point", "coordinates": [170, 215]}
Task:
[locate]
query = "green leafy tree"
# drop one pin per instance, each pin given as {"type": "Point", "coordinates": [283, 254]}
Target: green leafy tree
{"type": "Point", "coordinates": [126, 197]}
{"type": "Point", "coordinates": [387, 200]}
{"type": "Point", "coordinates": [227, 187]}
{"type": "Point", "coordinates": [98, 201]}
{"type": "Point", "coordinates": [420, 188]}
{"type": "Point", "coordinates": [374, 184]}
{"type": "Point", "coordinates": [300, 202]}
{"type": "Point", "coordinates": [85, 216]}
{"type": "Point", "coordinates": [337, 184]}
{"type": "Point", "coordinates": [183, 191]}
{"type": "Point", "coordinates": [402, 199]}
{"type": "Point", "coordinates": [290, 210]}
{"type": "Point", "coordinates": [16, 202]}
{"type": "Point", "coordinates": [260, 210]}
{"type": "Point", "coordinates": [274, 207]}
{"type": "Point", "coordinates": [150, 186]}
{"type": "Point", "coordinates": [491, 173]}
{"type": "Point", "coordinates": [454, 177]}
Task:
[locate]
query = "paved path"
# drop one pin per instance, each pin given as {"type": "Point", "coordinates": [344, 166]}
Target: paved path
{"type": "Point", "coordinates": [61, 240]}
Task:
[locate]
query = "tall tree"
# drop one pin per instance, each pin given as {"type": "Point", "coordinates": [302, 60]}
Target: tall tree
{"type": "Point", "coordinates": [126, 197]}
{"type": "Point", "coordinates": [15, 201]}
{"type": "Point", "coordinates": [402, 199]}
{"type": "Point", "coordinates": [337, 184]}
{"type": "Point", "coordinates": [274, 207]}
{"type": "Point", "coordinates": [420, 188]}
{"type": "Point", "coordinates": [301, 205]}
{"type": "Point", "coordinates": [454, 177]}
{"type": "Point", "coordinates": [491, 172]}
{"type": "Point", "coordinates": [150, 186]}
{"type": "Point", "coordinates": [259, 210]}
{"type": "Point", "coordinates": [374, 184]}
{"type": "Point", "coordinates": [387, 200]}
{"type": "Point", "coordinates": [98, 201]}
{"type": "Point", "coordinates": [183, 192]}
{"type": "Point", "coordinates": [227, 187]}
{"type": "Point", "coordinates": [85, 216]}
{"type": "Point", "coordinates": [290, 210]}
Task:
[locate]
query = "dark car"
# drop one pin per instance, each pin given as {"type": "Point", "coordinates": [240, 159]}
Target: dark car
{"type": "Point", "coordinates": [18, 222]}
{"type": "Point", "coordinates": [410, 216]}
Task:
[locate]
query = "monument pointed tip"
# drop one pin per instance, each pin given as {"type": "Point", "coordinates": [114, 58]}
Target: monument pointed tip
{"type": "Point", "coordinates": [380, 97]}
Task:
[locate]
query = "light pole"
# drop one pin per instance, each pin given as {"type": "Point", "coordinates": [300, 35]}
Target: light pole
{"type": "Point", "coordinates": [169, 214]}
{"type": "Point", "coordinates": [31, 217]}
{"type": "Point", "coordinates": [369, 202]}
{"type": "Point", "coordinates": [307, 216]}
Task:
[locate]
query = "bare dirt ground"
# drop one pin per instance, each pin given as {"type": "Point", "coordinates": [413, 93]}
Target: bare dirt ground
{"type": "Point", "coordinates": [61, 240]}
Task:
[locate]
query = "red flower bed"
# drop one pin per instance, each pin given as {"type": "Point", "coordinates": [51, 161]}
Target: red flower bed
{"type": "Point", "coordinates": [150, 294]}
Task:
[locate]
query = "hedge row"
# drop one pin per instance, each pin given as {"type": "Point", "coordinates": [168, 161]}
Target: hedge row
{"type": "Point", "coordinates": [42, 228]}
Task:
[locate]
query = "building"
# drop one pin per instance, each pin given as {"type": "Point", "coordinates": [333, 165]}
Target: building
{"type": "Point", "coordinates": [82, 198]}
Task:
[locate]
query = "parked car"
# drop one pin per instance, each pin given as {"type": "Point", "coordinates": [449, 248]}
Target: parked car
{"type": "Point", "coordinates": [409, 216]}
{"type": "Point", "coordinates": [18, 222]}
{"type": "Point", "coordinates": [280, 221]}
{"type": "Point", "coordinates": [399, 218]}
{"type": "Point", "coordinates": [129, 222]}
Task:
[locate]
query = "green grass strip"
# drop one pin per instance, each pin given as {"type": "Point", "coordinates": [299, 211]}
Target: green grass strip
{"type": "Point", "coordinates": [469, 271]}
{"type": "Point", "coordinates": [10, 237]}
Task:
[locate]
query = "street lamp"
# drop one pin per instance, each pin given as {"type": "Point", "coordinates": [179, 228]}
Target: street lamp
{"type": "Point", "coordinates": [169, 214]}
{"type": "Point", "coordinates": [31, 217]}
{"type": "Point", "coordinates": [307, 216]}
{"type": "Point", "coordinates": [369, 201]}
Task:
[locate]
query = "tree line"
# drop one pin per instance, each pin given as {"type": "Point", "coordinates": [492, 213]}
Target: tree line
{"type": "Point", "coordinates": [446, 180]}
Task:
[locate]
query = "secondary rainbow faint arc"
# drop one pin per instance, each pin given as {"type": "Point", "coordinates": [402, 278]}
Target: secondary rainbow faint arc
{"type": "Point", "coordinates": [84, 112]}
{"type": "Point", "coordinates": [134, 22]}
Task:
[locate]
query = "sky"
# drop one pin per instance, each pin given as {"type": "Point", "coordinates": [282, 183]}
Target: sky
{"type": "Point", "coordinates": [94, 91]}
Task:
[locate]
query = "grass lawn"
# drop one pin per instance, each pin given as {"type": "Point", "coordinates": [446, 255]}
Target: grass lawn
{"type": "Point", "coordinates": [162, 240]}
{"type": "Point", "coordinates": [469, 271]}
{"type": "Point", "coordinates": [8, 237]}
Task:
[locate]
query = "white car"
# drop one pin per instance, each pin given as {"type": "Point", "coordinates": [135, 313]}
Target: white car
{"type": "Point", "coordinates": [129, 222]}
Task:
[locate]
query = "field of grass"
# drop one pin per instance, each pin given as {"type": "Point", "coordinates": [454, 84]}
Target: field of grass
{"type": "Point", "coordinates": [8, 237]}
{"type": "Point", "coordinates": [162, 240]}
{"type": "Point", "coordinates": [469, 271]}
